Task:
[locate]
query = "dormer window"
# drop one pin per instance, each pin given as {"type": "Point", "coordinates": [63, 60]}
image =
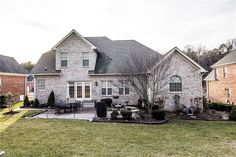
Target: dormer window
{"type": "Point", "coordinates": [85, 59]}
{"type": "Point", "coordinates": [64, 59]}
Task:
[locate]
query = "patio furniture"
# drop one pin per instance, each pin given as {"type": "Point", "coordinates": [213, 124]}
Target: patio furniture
{"type": "Point", "coordinates": [67, 107]}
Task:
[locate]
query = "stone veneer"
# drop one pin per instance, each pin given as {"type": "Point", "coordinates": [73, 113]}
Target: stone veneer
{"type": "Point", "coordinates": [74, 46]}
{"type": "Point", "coordinates": [191, 82]}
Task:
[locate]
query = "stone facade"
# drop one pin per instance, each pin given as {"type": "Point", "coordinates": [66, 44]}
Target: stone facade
{"type": "Point", "coordinates": [12, 83]}
{"type": "Point", "coordinates": [75, 73]}
{"type": "Point", "coordinates": [191, 82]}
{"type": "Point", "coordinates": [217, 90]}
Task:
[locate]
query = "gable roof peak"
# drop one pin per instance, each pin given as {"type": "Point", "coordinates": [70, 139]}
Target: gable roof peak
{"type": "Point", "coordinates": [177, 50]}
{"type": "Point", "coordinates": [73, 31]}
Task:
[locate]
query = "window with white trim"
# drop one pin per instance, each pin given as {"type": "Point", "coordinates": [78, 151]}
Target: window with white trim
{"type": "Point", "coordinates": [106, 88]}
{"type": "Point", "coordinates": [87, 89]}
{"type": "Point", "coordinates": [124, 87]}
{"type": "Point", "coordinates": [175, 84]}
{"type": "Point", "coordinates": [85, 59]}
{"type": "Point", "coordinates": [216, 74]}
{"type": "Point", "coordinates": [225, 71]}
{"type": "Point", "coordinates": [64, 62]}
{"type": "Point", "coordinates": [71, 90]}
{"type": "Point", "coordinates": [229, 93]}
{"type": "Point", "coordinates": [79, 90]}
{"type": "Point", "coordinates": [41, 84]}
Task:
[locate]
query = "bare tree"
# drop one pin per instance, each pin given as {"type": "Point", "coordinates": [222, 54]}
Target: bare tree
{"type": "Point", "coordinates": [148, 76]}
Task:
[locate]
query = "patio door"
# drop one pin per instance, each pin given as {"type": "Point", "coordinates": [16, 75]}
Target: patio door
{"type": "Point", "coordinates": [83, 90]}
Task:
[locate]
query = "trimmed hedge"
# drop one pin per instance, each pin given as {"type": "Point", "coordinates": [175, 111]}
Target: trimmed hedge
{"type": "Point", "coordinates": [114, 114]}
{"type": "Point", "coordinates": [220, 107]}
{"type": "Point", "coordinates": [158, 114]}
{"type": "Point", "coordinates": [232, 115]}
{"type": "Point", "coordinates": [126, 114]}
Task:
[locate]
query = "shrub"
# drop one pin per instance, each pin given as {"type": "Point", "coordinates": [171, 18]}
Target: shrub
{"type": "Point", "coordinates": [232, 115]}
{"type": "Point", "coordinates": [36, 103]}
{"type": "Point", "coordinates": [158, 114]}
{"type": "Point", "coordinates": [2, 100]}
{"type": "Point", "coordinates": [126, 114]}
{"type": "Point", "coordinates": [155, 107]}
{"type": "Point", "coordinates": [32, 103]}
{"type": "Point", "coordinates": [101, 109]}
{"type": "Point", "coordinates": [220, 107]}
{"type": "Point", "coordinates": [26, 102]}
{"type": "Point", "coordinates": [108, 101]}
{"type": "Point", "coordinates": [114, 114]}
{"type": "Point", "coordinates": [51, 100]}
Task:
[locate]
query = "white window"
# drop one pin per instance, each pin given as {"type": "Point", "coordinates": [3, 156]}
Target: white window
{"type": "Point", "coordinates": [71, 90]}
{"type": "Point", "coordinates": [107, 88]}
{"type": "Point", "coordinates": [175, 84]}
{"type": "Point", "coordinates": [85, 59]}
{"type": "Point", "coordinates": [41, 84]}
{"type": "Point", "coordinates": [124, 87]}
{"type": "Point", "coordinates": [229, 93]}
{"type": "Point", "coordinates": [225, 71]}
{"type": "Point", "coordinates": [87, 90]}
{"type": "Point", "coordinates": [80, 90]}
{"type": "Point", "coordinates": [216, 74]}
{"type": "Point", "coordinates": [64, 62]}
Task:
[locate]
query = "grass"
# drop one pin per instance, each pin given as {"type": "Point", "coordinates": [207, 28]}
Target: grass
{"type": "Point", "coordinates": [47, 137]}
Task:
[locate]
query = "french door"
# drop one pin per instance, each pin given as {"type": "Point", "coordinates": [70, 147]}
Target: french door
{"type": "Point", "coordinates": [83, 90]}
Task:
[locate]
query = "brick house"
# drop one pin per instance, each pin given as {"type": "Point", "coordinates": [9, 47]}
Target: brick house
{"type": "Point", "coordinates": [81, 68]}
{"type": "Point", "coordinates": [221, 81]}
{"type": "Point", "coordinates": [12, 77]}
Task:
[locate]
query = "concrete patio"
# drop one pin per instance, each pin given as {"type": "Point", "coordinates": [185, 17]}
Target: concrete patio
{"type": "Point", "coordinates": [83, 114]}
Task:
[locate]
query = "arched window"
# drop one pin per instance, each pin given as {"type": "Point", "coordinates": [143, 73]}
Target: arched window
{"type": "Point", "coordinates": [175, 83]}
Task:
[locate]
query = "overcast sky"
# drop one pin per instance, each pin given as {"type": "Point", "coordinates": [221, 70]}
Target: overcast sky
{"type": "Point", "coordinates": [29, 28]}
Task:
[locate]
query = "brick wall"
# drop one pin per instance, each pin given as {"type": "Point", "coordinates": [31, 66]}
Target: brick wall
{"type": "Point", "coordinates": [217, 89]}
{"type": "Point", "coordinates": [13, 84]}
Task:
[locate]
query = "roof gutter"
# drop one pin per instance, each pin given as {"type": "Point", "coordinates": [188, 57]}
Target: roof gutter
{"type": "Point", "coordinates": [12, 74]}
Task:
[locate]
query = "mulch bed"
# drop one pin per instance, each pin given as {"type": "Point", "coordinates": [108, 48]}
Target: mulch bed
{"type": "Point", "coordinates": [108, 120]}
{"type": "Point", "coordinates": [11, 113]}
{"type": "Point", "coordinates": [211, 115]}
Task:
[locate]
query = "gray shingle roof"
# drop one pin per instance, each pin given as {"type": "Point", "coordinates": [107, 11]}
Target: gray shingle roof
{"type": "Point", "coordinates": [108, 60]}
{"type": "Point", "coordinates": [10, 65]}
{"type": "Point", "coordinates": [46, 64]}
{"type": "Point", "coordinates": [114, 52]}
{"type": "Point", "coordinates": [228, 59]}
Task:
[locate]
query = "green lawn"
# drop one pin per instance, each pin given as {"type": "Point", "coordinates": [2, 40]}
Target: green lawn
{"type": "Point", "coordinates": [40, 137]}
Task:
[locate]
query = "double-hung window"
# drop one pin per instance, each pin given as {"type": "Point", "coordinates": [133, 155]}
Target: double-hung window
{"type": "Point", "coordinates": [64, 61]}
{"type": "Point", "coordinates": [229, 93]}
{"type": "Point", "coordinates": [85, 59]}
{"type": "Point", "coordinates": [106, 88]}
{"type": "Point", "coordinates": [225, 72]}
{"type": "Point", "coordinates": [41, 84]}
{"type": "Point", "coordinates": [71, 90]}
{"type": "Point", "coordinates": [175, 84]}
{"type": "Point", "coordinates": [124, 87]}
{"type": "Point", "coordinates": [216, 74]}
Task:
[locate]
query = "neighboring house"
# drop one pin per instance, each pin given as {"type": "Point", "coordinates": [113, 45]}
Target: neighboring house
{"type": "Point", "coordinates": [30, 86]}
{"type": "Point", "coordinates": [87, 68]}
{"type": "Point", "coordinates": [12, 77]}
{"type": "Point", "coordinates": [221, 81]}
